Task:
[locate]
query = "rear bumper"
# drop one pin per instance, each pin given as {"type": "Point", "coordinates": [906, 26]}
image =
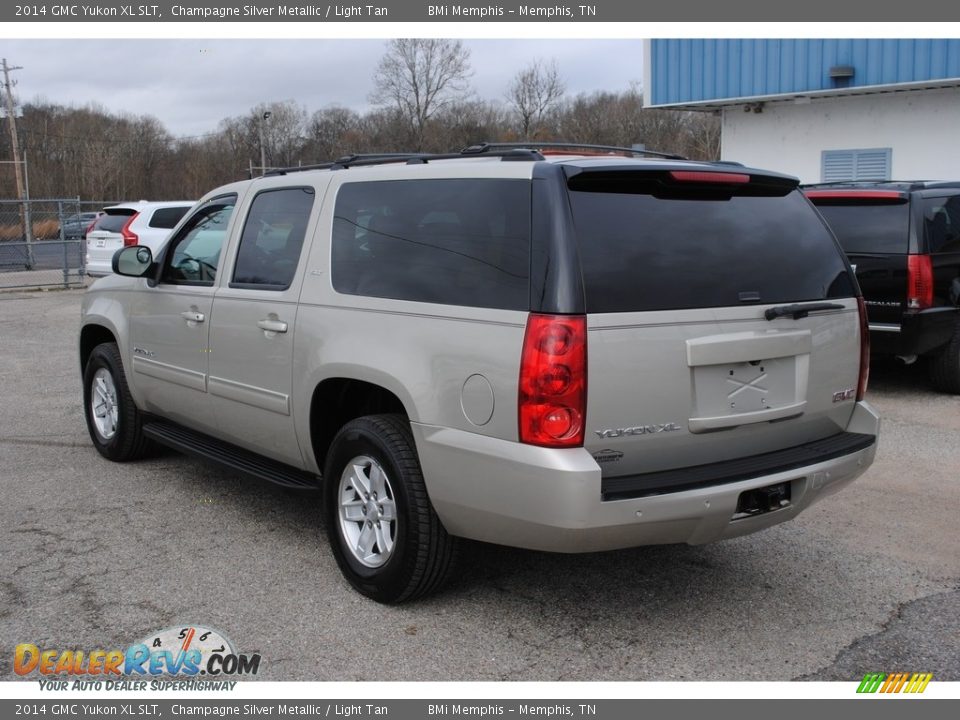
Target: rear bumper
{"type": "Point", "coordinates": [918, 332]}
{"type": "Point", "coordinates": [99, 262]}
{"type": "Point", "coordinates": [511, 494]}
{"type": "Point", "coordinates": [99, 250]}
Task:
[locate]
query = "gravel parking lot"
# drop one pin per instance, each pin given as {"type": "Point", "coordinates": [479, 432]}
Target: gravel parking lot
{"type": "Point", "coordinates": [99, 555]}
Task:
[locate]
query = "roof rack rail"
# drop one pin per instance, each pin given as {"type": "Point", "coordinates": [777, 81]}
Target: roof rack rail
{"type": "Point", "coordinates": [489, 148]}
{"type": "Point", "coordinates": [361, 159]}
{"type": "Point", "coordinates": [901, 185]}
{"type": "Point", "coordinates": [348, 161]}
{"type": "Point", "coordinates": [864, 181]}
{"type": "Point", "coordinates": [504, 151]}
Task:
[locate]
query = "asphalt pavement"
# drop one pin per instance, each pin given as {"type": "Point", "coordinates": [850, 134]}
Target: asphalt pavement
{"type": "Point", "coordinates": [100, 555]}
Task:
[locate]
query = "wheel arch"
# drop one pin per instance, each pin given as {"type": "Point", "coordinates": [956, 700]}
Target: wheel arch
{"type": "Point", "coordinates": [338, 400]}
{"type": "Point", "coordinates": [92, 335]}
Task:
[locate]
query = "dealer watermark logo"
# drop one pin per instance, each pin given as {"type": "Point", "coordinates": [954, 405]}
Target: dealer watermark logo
{"type": "Point", "coordinates": [888, 683]}
{"type": "Point", "coordinates": [189, 652]}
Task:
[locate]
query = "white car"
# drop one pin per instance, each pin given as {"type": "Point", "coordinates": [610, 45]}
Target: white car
{"type": "Point", "coordinates": [140, 223]}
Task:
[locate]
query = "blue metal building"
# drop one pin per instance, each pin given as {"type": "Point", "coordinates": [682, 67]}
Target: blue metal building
{"type": "Point", "coordinates": [820, 108]}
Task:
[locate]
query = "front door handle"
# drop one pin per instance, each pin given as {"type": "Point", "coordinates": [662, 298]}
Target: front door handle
{"type": "Point", "coordinates": [192, 316]}
{"type": "Point", "coordinates": [274, 326]}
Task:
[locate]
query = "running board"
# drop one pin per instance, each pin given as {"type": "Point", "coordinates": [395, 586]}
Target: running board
{"type": "Point", "coordinates": [230, 456]}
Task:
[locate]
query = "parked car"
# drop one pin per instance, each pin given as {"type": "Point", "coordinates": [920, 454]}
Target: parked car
{"type": "Point", "coordinates": [903, 238]}
{"type": "Point", "coordinates": [75, 227]}
{"type": "Point", "coordinates": [143, 223]}
{"type": "Point", "coordinates": [566, 352]}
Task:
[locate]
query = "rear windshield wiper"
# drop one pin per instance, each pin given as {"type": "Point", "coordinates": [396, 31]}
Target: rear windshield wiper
{"type": "Point", "coordinates": [799, 311]}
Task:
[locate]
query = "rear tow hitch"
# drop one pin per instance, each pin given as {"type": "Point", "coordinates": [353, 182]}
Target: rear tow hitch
{"type": "Point", "coordinates": [762, 500]}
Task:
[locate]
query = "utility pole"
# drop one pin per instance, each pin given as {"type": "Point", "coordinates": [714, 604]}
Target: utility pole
{"type": "Point", "coordinates": [12, 122]}
{"type": "Point", "coordinates": [25, 220]}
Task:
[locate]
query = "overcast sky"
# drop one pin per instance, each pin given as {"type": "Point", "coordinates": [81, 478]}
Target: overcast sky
{"type": "Point", "coordinates": [190, 85]}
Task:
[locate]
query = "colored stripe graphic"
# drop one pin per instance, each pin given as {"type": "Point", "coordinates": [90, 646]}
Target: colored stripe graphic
{"type": "Point", "coordinates": [918, 683]}
{"type": "Point", "coordinates": [894, 683]}
{"type": "Point", "coordinates": [871, 682]}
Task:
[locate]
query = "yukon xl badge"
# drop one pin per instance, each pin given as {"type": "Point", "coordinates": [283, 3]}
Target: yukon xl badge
{"type": "Point", "coordinates": [637, 430]}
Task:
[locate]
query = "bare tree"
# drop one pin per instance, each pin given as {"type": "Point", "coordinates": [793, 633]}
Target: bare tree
{"type": "Point", "coordinates": [535, 91]}
{"type": "Point", "coordinates": [146, 155]}
{"type": "Point", "coordinates": [587, 118]}
{"type": "Point", "coordinates": [421, 77]}
{"type": "Point", "coordinates": [704, 136]}
{"type": "Point", "coordinates": [620, 119]}
{"type": "Point", "coordinates": [99, 155]}
{"type": "Point", "coordinates": [283, 132]}
{"type": "Point", "coordinates": [332, 133]}
{"type": "Point", "coordinates": [467, 123]}
{"type": "Point", "coordinates": [385, 130]}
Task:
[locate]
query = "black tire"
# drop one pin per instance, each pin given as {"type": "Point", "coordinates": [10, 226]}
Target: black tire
{"type": "Point", "coordinates": [945, 366]}
{"type": "Point", "coordinates": [422, 556]}
{"type": "Point", "coordinates": [126, 441]}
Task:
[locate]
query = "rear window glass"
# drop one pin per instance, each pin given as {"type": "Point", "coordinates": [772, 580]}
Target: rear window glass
{"type": "Point", "coordinates": [873, 228]}
{"type": "Point", "coordinates": [641, 252]}
{"type": "Point", "coordinates": [454, 242]}
{"type": "Point", "coordinates": [167, 218]}
{"type": "Point", "coordinates": [114, 220]}
{"type": "Point", "coordinates": [941, 224]}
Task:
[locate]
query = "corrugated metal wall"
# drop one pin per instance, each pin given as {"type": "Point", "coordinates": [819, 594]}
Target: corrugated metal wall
{"type": "Point", "coordinates": [684, 71]}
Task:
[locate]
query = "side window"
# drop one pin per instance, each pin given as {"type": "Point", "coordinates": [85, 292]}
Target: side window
{"type": "Point", "coordinates": [272, 239]}
{"type": "Point", "coordinates": [167, 218]}
{"type": "Point", "coordinates": [194, 254]}
{"type": "Point", "coordinates": [941, 221]}
{"type": "Point", "coordinates": [455, 242]}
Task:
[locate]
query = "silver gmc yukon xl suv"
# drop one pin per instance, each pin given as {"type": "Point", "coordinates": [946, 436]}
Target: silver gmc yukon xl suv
{"type": "Point", "coordinates": [562, 350]}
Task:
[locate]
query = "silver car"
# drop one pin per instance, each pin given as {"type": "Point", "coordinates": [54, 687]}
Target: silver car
{"type": "Point", "coordinates": [560, 350]}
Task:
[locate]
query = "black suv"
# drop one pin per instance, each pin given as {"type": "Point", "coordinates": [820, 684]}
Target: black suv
{"type": "Point", "coordinates": [903, 240]}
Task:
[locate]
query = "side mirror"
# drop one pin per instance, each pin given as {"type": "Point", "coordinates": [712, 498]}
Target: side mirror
{"type": "Point", "coordinates": [132, 261]}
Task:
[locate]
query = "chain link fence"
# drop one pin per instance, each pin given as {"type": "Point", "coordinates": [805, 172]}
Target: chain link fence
{"type": "Point", "coordinates": [42, 243]}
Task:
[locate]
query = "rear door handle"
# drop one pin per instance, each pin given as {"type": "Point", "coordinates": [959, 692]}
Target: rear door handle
{"type": "Point", "coordinates": [272, 326]}
{"type": "Point", "coordinates": [192, 316]}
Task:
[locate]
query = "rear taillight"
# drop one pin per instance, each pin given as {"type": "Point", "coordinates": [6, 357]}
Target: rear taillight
{"type": "Point", "coordinates": [129, 237]}
{"type": "Point", "coordinates": [553, 381]}
{"type": "Point", "coordinates": [919, 282]}
{"type": "Point", "coordinates": [864, 350]}
{"type": "Point", "coordinates": [89, 228]}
